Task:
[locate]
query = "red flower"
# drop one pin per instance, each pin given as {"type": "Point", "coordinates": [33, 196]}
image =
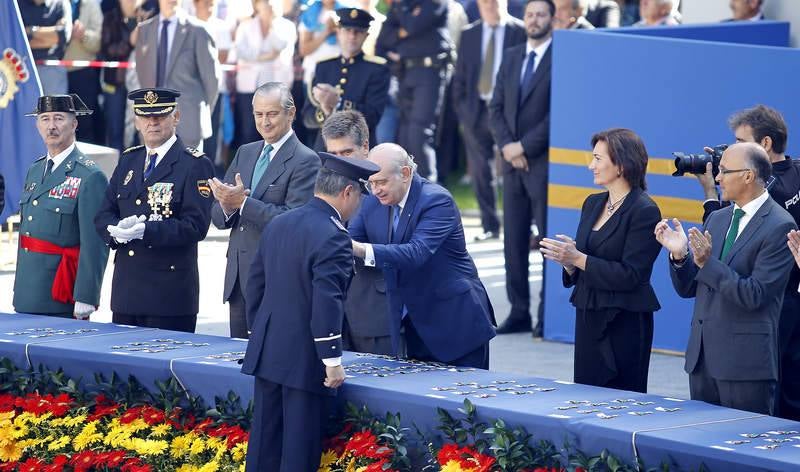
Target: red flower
{"type": "Point", "coordinates": [32, 465]}
{"type": "Point", "coordinates": [379, 466]}
{"type": "Point", "coordinates": [135, 465]}
{"type": "Point", "coordinates": [110, 459]}
{"type": "Point", "coordinates": [467, 457]}
{"type": "Point", "coordinates": [57, 465]}
{"type": "Point", "coordinates": [153, 416]}
{"type": "Point", "coordinates": [104, 406]}
{"type": "Point", "coordinates": [6, 403]}
{"type": "Point", "coordinates": [9, 466]}
{"type": "Point", "coordinates": [83, 460]}
{"type": "Point", "coordinates": [60, 405]}
{"type": "Point", "coordinates": [365, 444]}
{"type": "Point", "coordinates": [131, 415]}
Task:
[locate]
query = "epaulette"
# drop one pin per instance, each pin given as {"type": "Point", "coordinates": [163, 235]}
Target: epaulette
{"type": "Point", "coordinates": [331, 58]}
{"type": "Point", "coordinates": [132, 148]}
{"type": "Point", "coordinates": [40, 158]}
{"type": "Point", "coordinates": [375, 59]}
{"type": "Point", "coordinates": [338, 224]}
{"type": "Point", "coordinates": [195, 153]}
{"type": "Point", "coordinates": [86, 162]}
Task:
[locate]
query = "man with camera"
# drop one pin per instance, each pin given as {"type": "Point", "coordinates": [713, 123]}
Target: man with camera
{"type": "Point", "coordinates": [766, 126]}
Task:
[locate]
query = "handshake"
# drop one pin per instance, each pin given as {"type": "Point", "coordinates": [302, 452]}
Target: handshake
{"type": "Point", "coordinates": [128, 229]}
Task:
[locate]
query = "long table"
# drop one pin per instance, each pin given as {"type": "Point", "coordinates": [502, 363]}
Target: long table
{"type": "Point", "coordinates": [633, 426]}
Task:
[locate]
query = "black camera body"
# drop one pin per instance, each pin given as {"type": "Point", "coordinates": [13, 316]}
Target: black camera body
{"type": "Point", "coordinates": [696, 163]}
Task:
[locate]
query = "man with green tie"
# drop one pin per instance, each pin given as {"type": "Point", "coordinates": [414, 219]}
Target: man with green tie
{"type": "Point", "coordinates": [265, 179]}
{"type": "Point", "coordinates": [61, 259]}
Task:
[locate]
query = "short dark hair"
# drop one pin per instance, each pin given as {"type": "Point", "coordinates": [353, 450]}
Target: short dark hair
{"type": "Point", "coordinates": [759, 161]}
{"type": "Point", "coordinates": [346, 124]}
{"type": "Point", "coordinates": [550, 4]}
{"type": "Point", "coordinates": [627, 151]}
{"type": "Point", "coordinates": [764, 121]}
{"type": "Point", "coordinates": [330, 183]}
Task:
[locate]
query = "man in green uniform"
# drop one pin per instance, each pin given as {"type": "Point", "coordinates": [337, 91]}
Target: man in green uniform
{"type": "Point", "coordinates": [61, 259]}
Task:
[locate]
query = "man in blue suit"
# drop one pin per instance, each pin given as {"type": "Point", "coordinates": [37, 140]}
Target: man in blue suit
{"type": "Point", "coordinates": [411, 229]}
{"type": "Point", "coordinates": [295, 294]}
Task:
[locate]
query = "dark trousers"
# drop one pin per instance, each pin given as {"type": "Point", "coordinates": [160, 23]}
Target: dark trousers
{"type": "Point", "coordinates": [114, 104]}
{"type": "Point", "coordinates": [612, 348]}
{"type": "Point", "coordinates": [371, 344]}
{"type": "Point", "coordinates": [86, 83]}
{"type": "Point", "coordinates": [789, 339]}
{"type": "Point", "coordinates": [286, 433]}
{"type": "Point", "coordinates": [524, 199]}
{"type": "Point", "coordinates": [245, 130]}
{"type": "Point", "coordinates": [238, 316]}
{"type": "Point", "coordinates": [185, 323]}
{"type": "Point", "coordinates": [479, 146]}
{"type": "Point", "coordinates": [416, 349]}
{"type": "Point", "coordinates": [758, 396]}
{"type": "Point", "coordinates": [419, 100]}
{"type": "Point", "coordinates": [210, 143]}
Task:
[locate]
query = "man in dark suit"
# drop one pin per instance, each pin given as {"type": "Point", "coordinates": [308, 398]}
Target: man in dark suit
{"type": "Point", "coordinates": [366, 309]}
{"type": "Point", "coordinates": [156, 209]}
{"type": "Point", "coordinates": [737, 272]}
{"type": "Point", "coordinates": [351, 81]}
{"type": "Point", "coordinates": [519, 116]}
{"type": "Point", "coordinates": [295, 308]}
{"type": "Point", "coordinates": [472, 86]}
{"type": "Point", "coordinates": [265, 179]}
{"type": "Point", "coordinates": [175, 51]}
{"type": "Point", "coordinates": [411, 229]}
{"type": "Point", "coordinates": [603, 13]}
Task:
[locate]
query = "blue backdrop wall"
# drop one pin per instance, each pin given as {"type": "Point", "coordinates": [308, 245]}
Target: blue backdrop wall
{"type": "Point", "coordinates": [677, 94]}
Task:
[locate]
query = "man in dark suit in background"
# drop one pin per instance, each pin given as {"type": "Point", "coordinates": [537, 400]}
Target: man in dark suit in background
{"type": "Point", "coordinates": [265, 179]}
{"type": "Point", "coordinates": [736, 269]}
{"type": "Point", "coordinates": [603, 13]}
{"type": "Point", "coordinates": [411, 229]}
{"type": "Point", "coordinates": [472, 86]}
{"type": "Point", "coordinates": [519, 116]}
{"type": "Point", "coordinates": [366, 309]}
{"type": "Point", "coordinates": [157, 208]}
{"type": "Point", "coordinates": [295, 294]}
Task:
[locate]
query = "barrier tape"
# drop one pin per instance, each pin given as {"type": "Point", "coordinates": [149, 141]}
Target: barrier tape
{"type": "Point", "coordinates": [108, 64]}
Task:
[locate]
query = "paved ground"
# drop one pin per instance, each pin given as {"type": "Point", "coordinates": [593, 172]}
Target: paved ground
{"type": "Point", "coordinates": [515, 353]}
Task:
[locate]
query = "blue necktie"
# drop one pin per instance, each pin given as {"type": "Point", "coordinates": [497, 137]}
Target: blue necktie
{"type": "Point", "coordinates": [527, 76]}
{"type": "Point", "coordinates": [161, 65]}
{"type": "Point", "coordinates": [395, 218]}
{"type": "Point", "coordinates": [151, 164]}
{"type": "Point", "coordinates": [261, 165]}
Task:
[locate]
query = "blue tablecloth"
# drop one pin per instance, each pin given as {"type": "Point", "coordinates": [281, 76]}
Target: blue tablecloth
{"type": "Point", "coordinates": [683, 433]}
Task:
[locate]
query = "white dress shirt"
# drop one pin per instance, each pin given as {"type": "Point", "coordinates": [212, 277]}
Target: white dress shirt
{"type": "Point", "coordinates": [749, 209]}
{"type": "Point", "coordinates": [251, 43]}
{"type": "Point", "coordinates": [540, 50]}
{"type": "Point", "coordinates": [61, 156]}
{"type": "Point", "coordinates": [161, 150]}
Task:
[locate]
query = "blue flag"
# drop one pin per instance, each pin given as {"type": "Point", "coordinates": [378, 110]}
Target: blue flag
{"type": "Point", "coordinates": [20, 143]}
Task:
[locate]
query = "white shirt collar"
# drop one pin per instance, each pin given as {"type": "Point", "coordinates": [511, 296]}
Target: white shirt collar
{"type": "Point", "coordinates": [61, 156]}
{"type": "Point", "coordinates": [500, 24]}
{"type": "Point", "coordinates": [540, 49]}
{"type": "Point", "coordinates": [277, 145]}
{"type": "Point", "coordinates": [402, 203]}
{"type": "Point", "coordinates": [163, 149]}
{"type": "Point", "coordinates": [757, 16]}
{"type": "Point", "coordinates": [752, 207]}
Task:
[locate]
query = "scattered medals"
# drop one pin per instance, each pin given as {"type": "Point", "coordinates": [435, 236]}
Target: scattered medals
{"type": "Point", "coordinates": [159, 196]}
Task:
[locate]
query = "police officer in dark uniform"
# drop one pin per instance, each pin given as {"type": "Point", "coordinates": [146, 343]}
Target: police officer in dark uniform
{"type": "Point", "coordinates": [295, 293]}
{"type": "Point", "coordinates": [350, 81]}
{"type": "Point", "coordinates": [766, 126]}
{"type": "Point", "coordinates": [60, 262]}
{"type": "Point", "coordinates": [415, 36]}
{"type": "Point", "coordinates": [157, 208]}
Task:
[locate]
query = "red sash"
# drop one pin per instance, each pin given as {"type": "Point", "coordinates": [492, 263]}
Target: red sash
{"type": "Point", "coordinates": [67, 272]}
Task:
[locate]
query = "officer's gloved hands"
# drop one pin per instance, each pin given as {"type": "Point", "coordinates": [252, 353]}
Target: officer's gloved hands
{"type": "Point", "coordinates": [128, 229]}
{"type": "Point", "coordinates": [82, 310]}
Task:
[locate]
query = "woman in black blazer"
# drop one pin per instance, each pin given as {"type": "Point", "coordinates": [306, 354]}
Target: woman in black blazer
{"type": "Point", "coordinates": [609, 265]}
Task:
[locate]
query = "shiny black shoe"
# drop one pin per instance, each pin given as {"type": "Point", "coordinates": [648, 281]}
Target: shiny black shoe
{"type": "Point", "coordinates": [486, 235]}
{"type": "Point", "coordinates": [514, 325]}
{"type": "Point", "coordinates": [538, 331]}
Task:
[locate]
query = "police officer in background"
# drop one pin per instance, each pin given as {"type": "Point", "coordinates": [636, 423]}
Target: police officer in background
{"type": "Point", "coordinates": [295, 293]}
{"type": "Point", "coordinates": [415, 37]}
{"type": "Point", "coordinates": [60, 262]}
{"type": "Point", "coordinates": [157, 208]}
{"type": "Point", "coordinates": [766, 126]}
{"type": "Point", "coordinates": [350, 81]}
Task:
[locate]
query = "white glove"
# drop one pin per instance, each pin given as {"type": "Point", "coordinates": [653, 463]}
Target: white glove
{"type": "Point", "coordinates": [128, 222]}
{"type": "Point", "coordinates": [82, 310]}
{"type": "Point", "coordinates": [126, 235]}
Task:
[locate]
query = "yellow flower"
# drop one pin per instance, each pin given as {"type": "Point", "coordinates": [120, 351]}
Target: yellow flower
{"type": "Point", "coordinates": [180, 445]}
{"type": "Point", "coordinates": [241, 468]}
{"type": "Point", "coordinates": [10, 452]}
{"type": "Point", "coordinates": [58, 443]}
{"type": "Point", "coordinates": [198, 446]}
{"type": "Point", "coordinates": [160, 430]}
{"type": "Point", "coordinates": [148, 447]}
{"type": "Point", "coordinates": [454, 466]}
{"type": "Point", "coordinates": [87, 436]}
{"type": "Point", "coordinates": [187, 468]}
{"type": "Point", "coordinates": [328, 458]}
{"type": "Point", "coordinates": [351, 466]}
{"type": "Point", "coordinates": [19, 430]}
{"type": "Point", "coordinates": [212, 466]}
{"type": "Point", "coordinates": [239, 451]}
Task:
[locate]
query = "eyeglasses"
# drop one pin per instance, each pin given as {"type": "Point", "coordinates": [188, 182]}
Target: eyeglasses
{"type": "Point", "coordinates": [732, 171]}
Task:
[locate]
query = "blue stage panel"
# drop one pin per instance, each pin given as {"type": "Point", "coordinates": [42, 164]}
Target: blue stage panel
{"type": "Point", "coordinates": [755, 33]}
